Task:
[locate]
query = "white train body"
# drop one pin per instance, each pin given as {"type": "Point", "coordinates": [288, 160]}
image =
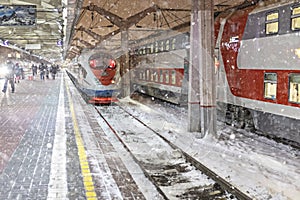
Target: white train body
{"type": "Point", "coordinates": [97, 76]}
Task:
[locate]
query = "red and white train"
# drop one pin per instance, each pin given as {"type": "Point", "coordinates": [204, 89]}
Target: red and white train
{"type": "Point", "coordinates": [97, 77]}
{"type": "Point", "coordinates": [258, 76]}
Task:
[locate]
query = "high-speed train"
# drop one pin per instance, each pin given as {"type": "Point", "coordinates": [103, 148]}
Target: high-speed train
{"type": "Point", "coordinates": [258, 68]}
{"type": "Point", "coordinates": [97, 77]}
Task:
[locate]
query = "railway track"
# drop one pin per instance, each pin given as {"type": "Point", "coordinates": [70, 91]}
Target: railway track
{"type": "Point", "coordinates": [174, 173]}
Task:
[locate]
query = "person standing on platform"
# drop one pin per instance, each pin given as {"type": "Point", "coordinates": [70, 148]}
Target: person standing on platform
{"type": "Point", "coordinates": [17, 70]}
{"type": "Point", "coordinates": [53, 71]}
{"type": "Point", "coordinates": [34, 70]}
{"type": "Point", "coordinates": [47, 72]}
{"type": "Point", "coordinates": [9, 78]}
{"type": "Point", "coordinates": [42, 69]}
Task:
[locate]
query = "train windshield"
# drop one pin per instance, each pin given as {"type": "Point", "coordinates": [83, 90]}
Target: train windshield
{"type": "Point", "coordinates": [99, 61]}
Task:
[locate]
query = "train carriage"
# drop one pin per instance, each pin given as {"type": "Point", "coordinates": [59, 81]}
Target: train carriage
{"type": "Point", "coordinates": [159, 69]}
{"type": "Point", "coordinates": [258, 75]}
{"type": "Point", "coordinates": [258, 51]}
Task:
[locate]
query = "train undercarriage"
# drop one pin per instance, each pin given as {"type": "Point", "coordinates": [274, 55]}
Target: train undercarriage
{"type": "Point", "coordinates": [279, 128]}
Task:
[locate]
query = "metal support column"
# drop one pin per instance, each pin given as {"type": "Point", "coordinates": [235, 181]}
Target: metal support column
{"type": "Point", "coordinates": [125, 73]}
{"type": "Point", "coordinates": [202, 97]}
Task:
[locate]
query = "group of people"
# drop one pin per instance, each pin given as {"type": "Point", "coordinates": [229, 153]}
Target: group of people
{"type": "Point", "coordinates": [44, 71]}
{"type": "Point", "coordinates": [13, 75]}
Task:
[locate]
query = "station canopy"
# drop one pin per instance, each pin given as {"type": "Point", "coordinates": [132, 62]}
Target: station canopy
{"type": "Point", "coordinates": [56, 30]}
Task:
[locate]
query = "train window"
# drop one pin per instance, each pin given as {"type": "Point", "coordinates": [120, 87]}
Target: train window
{"type": "Point", "coordinates": [151, 48]}
{"type": "Point", "coordinates": [156, 47]}
{"type": "Point", "coordinates": [141, 51]}
{"type": "Point", "coordinates": [162, 46]}
{"type": "Point", "coordinates": [185, 44]}
{"type": "Point", "coordinates": [144, 50]}
{"type": "Point", "coordinates": [295, 18]}
{"type": "Point", "coordinates": [270, 84]}
{"type": "Point", "coordinates": [167, 76]}
{"type": "Point", "coordinates": [161, 76]}
{"type": "Point", "coordinates": [272, 25]}
{"type": "Point", "coordinates": [167, 45]}
{"type": "Point", "coordinates": [143, 75]}
{"type": "Point", "coordinates": [173, 78]}
{"type": "Point", "coordinates": [155, 76]}
{"type": "Point", "coordinates": [173, 44]}
{"type": "Point", "coordinates": [139, 74]}
{"type": "Point", "coordinates": [152, 76]}
{"type": "Point", "coordinates": [99, 61]}
{"type": "Point", "coordinates": [294, 88]}
{"type": "Point", "coordinates": [147, 74]}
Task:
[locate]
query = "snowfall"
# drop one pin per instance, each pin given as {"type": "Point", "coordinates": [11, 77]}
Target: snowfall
{"type": "Point", "coordinates": [258, 166]}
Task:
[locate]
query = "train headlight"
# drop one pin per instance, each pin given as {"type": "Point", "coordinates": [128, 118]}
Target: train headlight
{"type": "Point", "coordinates": [112, 64]}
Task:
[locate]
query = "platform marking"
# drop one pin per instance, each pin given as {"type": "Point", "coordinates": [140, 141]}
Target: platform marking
{"type": "Point", "coordinates": [58, 186]}
{"type": "Point", "coordinates": [85, 169]}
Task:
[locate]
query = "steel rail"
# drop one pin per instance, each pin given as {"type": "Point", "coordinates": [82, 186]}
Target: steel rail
{"type": "Point", "coordinates": [223, 183]}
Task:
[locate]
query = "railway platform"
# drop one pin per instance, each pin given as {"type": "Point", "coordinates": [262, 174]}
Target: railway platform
{"type": "Point", "coordinates": [52, 146]}
{"type": "Point", "coordinates": [43, 154]}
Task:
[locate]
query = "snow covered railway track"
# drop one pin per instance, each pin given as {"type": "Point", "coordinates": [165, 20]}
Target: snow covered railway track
{"type": "Point", "coordinates": [175, 174]}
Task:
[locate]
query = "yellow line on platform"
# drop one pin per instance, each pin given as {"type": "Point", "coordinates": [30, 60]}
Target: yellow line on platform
{"type": "Point", "coordinates": [85, 169]}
